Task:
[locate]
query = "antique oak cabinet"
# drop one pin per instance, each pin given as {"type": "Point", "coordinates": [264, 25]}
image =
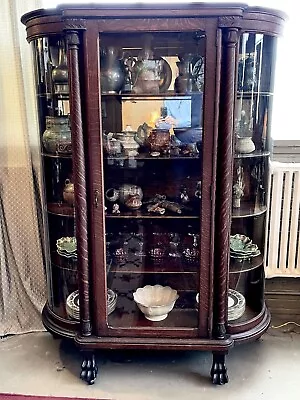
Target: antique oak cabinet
{"type": "Point", "coordinates": [155, 124]}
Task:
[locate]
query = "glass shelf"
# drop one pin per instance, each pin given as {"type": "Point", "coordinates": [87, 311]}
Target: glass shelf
{"type": "Point", "coordinates": [255, 153]}
{"type": "Point", "coordinates": [248, 210]}
{"type": "Point", "coordinates": [143, 264]}
{"type": "Point", "coordinates": [138, 215]}
{"type": "Point", "coordinates": [237, 267]}
{"type": "Point", "coordinates": [68, 156]}
{"type": "Point", "coordinates": [147, 156]}
{"type": "Point", "coordinates": [147, 96]}
{"type": "Point", "coordinates": [252, 94]}
{"type": "Point", "coordinates": [60, 209]}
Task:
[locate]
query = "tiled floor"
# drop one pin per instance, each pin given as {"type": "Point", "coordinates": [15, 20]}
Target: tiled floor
{"type": "Point", "coordinates": [266, 369]}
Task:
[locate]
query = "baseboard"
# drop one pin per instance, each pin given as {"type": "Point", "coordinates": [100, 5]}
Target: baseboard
{"type": "Point", "coordinates": [283, 297]}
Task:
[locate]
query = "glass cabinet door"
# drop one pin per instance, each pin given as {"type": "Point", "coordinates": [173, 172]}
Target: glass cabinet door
{"type": "Point", "coordinates": [52, 90]}
{"type": "Point", "coordinates": [250, 181]}
{"type": "Point", "coordinates": [151, 102]}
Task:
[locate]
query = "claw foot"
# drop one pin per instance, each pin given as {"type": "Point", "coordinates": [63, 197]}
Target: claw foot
{"type": "Point", "coordinates": [218, 371]}
{"type": "Point", "coordinates": [89, 368]}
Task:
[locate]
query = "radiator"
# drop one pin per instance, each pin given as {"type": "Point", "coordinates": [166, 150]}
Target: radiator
{"type": "Point", "coordinates": [282, 250]}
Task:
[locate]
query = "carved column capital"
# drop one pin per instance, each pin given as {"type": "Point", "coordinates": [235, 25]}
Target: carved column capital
{"type": "Point", "coordinates": [231, 37]}
{"type": "Point", "coordinates": [72, 38]}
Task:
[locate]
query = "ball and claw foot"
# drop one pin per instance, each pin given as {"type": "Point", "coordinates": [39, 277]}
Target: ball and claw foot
{"type": "Point", "coordinates": [218, 371]}
{"type": "Point", "coordinates": [89, 369]}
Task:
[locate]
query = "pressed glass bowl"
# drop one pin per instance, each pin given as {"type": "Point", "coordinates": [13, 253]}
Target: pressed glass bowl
{"type": "Point", "coordinates": [156, 301]}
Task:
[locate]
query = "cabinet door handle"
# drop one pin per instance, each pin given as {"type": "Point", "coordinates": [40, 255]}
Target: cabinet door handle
{"type": "Point", "coordinates": [96, 198]}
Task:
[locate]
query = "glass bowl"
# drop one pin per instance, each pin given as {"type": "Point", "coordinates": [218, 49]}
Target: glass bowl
{"type": "Point", "coordinates": [156, 301]}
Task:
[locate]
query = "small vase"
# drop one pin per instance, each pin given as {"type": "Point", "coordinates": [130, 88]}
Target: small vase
{"type": "Point", "coordinates": [244, 145]}
{"type": "Point", "coordinates": [57, 136]}
{"type": "Point", "coordinates": [68, 193]}
{"type": "Point", "coordinates": [184, 81]}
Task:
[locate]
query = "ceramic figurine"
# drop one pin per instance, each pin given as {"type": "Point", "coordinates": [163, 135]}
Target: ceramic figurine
{"type": "Point", "coordinates": [198, 190]}
{"type": "Point", "coordinates": [116, 209]}
{"type": "Point", "coordinates": [184, 197]}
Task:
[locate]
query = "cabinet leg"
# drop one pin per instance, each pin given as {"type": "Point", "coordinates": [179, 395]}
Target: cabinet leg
{"type": "Point", "coordinates": [218, 370]}
{"type": "Point", "coordinates": [89, 368]}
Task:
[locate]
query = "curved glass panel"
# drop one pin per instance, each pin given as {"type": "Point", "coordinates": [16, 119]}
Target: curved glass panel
{"type": "Point", "coordinates": [250, 179]}
{"type": "Point", "coordinates": [52, 89]}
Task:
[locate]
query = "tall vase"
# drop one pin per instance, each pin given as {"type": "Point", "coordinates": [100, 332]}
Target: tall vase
{"type": "Point", "coordinates": [60, 76]}
{"type": "Point", "coordinates": [112, 71]}
{"type": "Point", "coordinates": [184, 81]}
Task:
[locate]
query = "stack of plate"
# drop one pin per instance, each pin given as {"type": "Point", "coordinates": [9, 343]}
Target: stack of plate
{"type": "Point", "coordinates": [72, 305]}
{"type": "Point", "coordinates": [67, 247]}
{"type": "Point", "coordinates": [236, 305]}
{"type": "Point", "coordinates": [111, 301]}
{"type": "Point", "coordinates": [242, 248]}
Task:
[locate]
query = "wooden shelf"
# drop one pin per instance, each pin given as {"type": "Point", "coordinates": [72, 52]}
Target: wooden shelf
{"type": "Point", "coordinates": [248, 320]}
{"type": "Point", "coordinates": [61, 209]}
{"type": "Point", "coordinates": [248, 315]}
{"type": "Point", "coordinates": [248, 210]}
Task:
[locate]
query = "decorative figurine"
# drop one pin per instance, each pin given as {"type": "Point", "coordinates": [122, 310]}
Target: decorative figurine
{"type": "Point", "coordinates": [116, 209]}
{"type": "Point", "coordinates": [184, 197]}
{"type": "Point", "coordinates": [156, 208]}
{"type": "Point", "coordinates": [238, 188]}
{"type": "Point", "coordinates": [198, 190]}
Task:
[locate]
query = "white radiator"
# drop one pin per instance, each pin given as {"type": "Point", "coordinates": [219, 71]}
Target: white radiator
{"type": "Point", "coordinates": [282, 251]}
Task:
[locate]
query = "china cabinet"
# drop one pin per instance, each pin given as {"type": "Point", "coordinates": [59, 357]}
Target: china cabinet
{"type": "Point", "coordinates": [155, 123]}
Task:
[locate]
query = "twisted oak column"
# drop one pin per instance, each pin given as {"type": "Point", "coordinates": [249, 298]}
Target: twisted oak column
{"type": "Point", "coordinates": [79, 181]}
{"type": "Point", "coordinates": [224, 181]}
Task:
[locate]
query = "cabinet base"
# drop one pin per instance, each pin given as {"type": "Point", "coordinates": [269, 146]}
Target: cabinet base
{"type": "Point", "coordinates": [255, 332]}
{"type": "Point", "coordinates": [57, 326]}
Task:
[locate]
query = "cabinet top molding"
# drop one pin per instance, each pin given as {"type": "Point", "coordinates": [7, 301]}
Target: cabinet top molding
{"type": "Point", "coordinates": [166, 10]}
